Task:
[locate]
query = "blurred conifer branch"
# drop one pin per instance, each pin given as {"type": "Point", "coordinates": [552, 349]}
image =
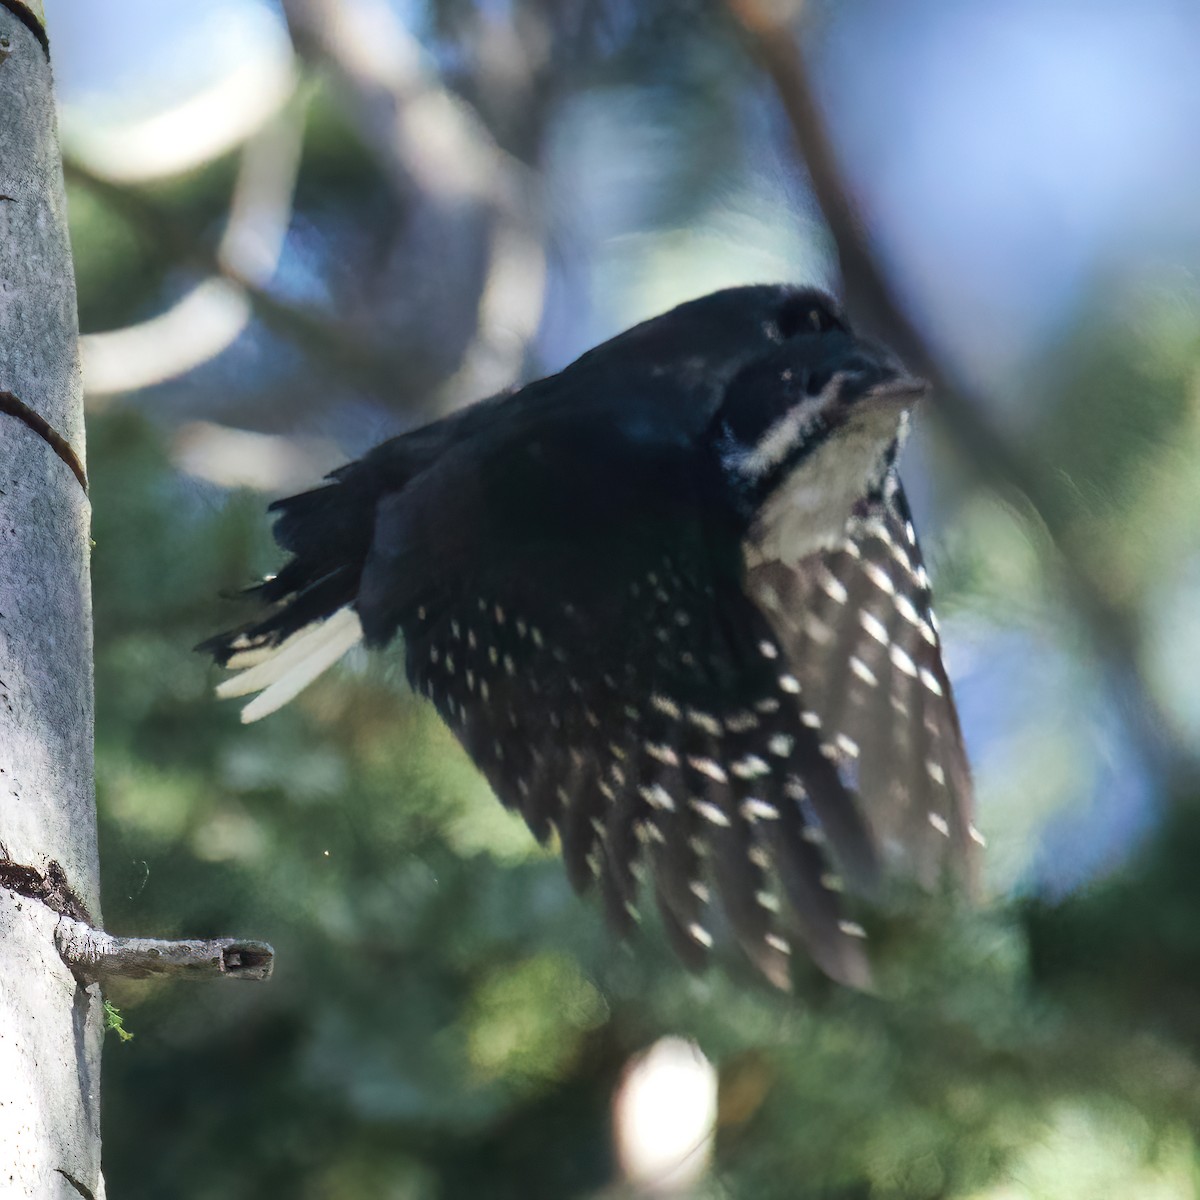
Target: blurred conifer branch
{"type": "Point", "coordinates": [434, 147]}
{"type": "Point", "coordinates": [217, 310]}
{"type": "Point", "coordinates": [1000, 462]}
{"type": "Point", "coordinates": [322, 335]}
{"type": "Point", "coordinates": [438, 156]}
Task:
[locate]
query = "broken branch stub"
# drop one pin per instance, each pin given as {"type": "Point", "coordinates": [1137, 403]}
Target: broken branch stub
{"type": "Point", "coordinates": [95, 956]}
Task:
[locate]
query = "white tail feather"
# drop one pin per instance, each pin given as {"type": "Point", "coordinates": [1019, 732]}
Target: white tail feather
{"type": "Point", "coordinates": [241, 660]}
{"type": "Point", "coordinates": [289, 654]}
{"type": "Point", "coordinates": [347, 634]}
{"type": "Point", "coordinates": [249, 654]}
{"type": "Point", "coordinates": [280, 692]}
{"type": "Point", "coordinates": [294, 664]}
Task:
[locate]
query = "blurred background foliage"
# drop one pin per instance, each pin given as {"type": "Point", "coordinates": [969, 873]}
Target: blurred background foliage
{"type": "Point", "coordinates": [302, 227]}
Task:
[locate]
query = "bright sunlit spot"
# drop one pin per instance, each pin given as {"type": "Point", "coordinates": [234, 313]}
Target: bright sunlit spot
{"type": "Point", "coordinates": [664, 1117]}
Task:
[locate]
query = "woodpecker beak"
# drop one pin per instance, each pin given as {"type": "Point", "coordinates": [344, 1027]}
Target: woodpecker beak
{"type": "Point", "coordinates": [902, 389]}
{"type": "Point", "coordinates": [896, 390]}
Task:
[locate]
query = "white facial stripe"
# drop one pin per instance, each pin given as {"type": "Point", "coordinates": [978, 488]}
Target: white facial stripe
{"type": "Point", "coordinates": [785, 434]}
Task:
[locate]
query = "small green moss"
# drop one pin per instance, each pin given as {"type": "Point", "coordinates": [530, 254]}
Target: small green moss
{"type": "Point", "coordinates": [114, 1021]}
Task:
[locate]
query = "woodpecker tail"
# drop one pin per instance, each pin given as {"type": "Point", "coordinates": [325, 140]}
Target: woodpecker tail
{"type": "Point", "coordinates": [312, 622]}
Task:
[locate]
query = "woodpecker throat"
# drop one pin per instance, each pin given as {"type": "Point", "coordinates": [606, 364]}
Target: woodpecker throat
{"type": "Point", "coordinates": [815, 494]}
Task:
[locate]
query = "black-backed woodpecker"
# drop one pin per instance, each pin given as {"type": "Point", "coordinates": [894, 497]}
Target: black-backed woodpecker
{"type": "Point", "coordinates": [671, 602]}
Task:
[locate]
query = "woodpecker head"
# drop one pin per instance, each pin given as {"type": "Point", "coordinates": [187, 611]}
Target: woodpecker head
{"type": "Point", "coordinates": [809, 427]}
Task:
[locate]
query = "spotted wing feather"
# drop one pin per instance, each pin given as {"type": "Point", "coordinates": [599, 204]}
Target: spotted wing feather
{"type": "Point", "coordinates": [858, 627]}
{"type": "Point", "coordinates": [658, 732]}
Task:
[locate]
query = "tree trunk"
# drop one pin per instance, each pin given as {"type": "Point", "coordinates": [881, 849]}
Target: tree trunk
{"type": "Point", "coordinates": [51, 1026]}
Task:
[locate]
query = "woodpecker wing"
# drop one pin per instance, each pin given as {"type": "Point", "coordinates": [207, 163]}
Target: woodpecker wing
{"type": "Point", "coordinates": [858, 627]}
{"type": "Point", "coordinates": [584, 633]}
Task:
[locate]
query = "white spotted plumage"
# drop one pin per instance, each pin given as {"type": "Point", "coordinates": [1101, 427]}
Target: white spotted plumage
{"type": "Point", "coordinates": [634, 696]}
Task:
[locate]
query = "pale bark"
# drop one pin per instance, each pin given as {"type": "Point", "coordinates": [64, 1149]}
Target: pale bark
{"type": "Point", "coordinates": [51, 1026]}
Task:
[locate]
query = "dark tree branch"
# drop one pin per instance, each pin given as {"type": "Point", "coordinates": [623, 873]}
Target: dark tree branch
{"type": "Point", "coordinates": [999, 461]}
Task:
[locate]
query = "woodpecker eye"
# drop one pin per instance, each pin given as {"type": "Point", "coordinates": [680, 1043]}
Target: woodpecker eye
{"type": "Point", "coordinates": [804, 314]}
